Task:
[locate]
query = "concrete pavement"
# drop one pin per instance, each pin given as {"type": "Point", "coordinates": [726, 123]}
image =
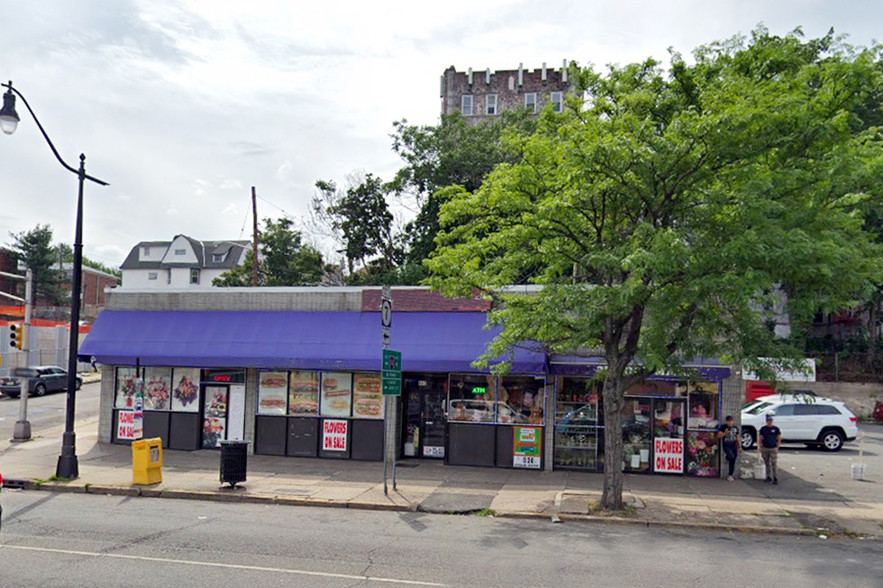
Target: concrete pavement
{"type": "Point", "coordinates": [795, 506]}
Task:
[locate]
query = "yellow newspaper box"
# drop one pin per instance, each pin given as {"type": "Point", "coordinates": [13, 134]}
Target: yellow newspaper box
{"type": "Point", "coordinates": [147, 461]}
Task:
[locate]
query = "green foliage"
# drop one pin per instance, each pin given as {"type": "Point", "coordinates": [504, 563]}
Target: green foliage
{"type": "Point", "coordinates": [361, 218]}
{"type": "Point", "coordinates": [667, 215]}
{"type": "Point", "coordinates": [284, 261]}
{"type": "Point", "coordinates": [67, 255]}
{"type": "Point", "coordinates": [35, 249]}
{"type": "Point", "coordinates": [452, 153]}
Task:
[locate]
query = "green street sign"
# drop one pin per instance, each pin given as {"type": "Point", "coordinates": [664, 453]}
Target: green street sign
{"type": "Point", "coordinates": [391, 372]}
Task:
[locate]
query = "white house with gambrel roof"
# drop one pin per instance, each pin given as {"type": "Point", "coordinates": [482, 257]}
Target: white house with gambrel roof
{"type": "Point", "coordinates": [183, 262]}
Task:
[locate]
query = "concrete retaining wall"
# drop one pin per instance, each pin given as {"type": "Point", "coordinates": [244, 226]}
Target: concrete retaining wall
{"type": "Point", "coordinates": [860, 398]}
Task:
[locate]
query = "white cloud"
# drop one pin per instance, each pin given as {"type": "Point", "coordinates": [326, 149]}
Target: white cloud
{"type": "Point", "coordinates": [180, 104]}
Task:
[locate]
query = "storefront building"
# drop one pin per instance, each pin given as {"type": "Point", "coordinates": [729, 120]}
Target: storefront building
{"type": "Point", "coordinates": [307, 383]}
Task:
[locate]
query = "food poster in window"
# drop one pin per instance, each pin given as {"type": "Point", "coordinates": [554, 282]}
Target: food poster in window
{"type": "Point", "coordinates": [185, 394]}
{"type": "Point", "coordinates": [702, 459]}
{"type": "Point", "coordinates": [336, 394]}
{"type": "Point", "coordinates": [157, 388]}
{"type": "Point", "coordinates": [127, 384]}
{"type": "Point", "coordinates": [272, 392]}
{"type": "Point", "coordinates": [367, 396]}
{"type": "Point", "coordinates": [303, 393]}
{"type": "Point", "coordinates": [214, 422]}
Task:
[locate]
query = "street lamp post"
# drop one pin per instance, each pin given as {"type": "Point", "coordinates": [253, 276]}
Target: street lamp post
{"type": "Point", "coordinates": [68, 466]}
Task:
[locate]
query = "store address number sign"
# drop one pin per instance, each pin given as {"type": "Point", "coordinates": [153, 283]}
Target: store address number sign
{"type": "Point", "coordinates": [527, 448]}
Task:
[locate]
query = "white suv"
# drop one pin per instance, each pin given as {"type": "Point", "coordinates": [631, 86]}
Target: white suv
{"type": "Point", "coordinates": [802, 419]}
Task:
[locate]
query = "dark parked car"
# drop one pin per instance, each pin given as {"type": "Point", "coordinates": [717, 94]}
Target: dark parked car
{"type": "Point", "coordinates": [41, 379]}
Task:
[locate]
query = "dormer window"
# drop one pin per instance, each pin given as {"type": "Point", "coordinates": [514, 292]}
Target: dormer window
{"type": "Point", "coordinates": [145, 251]}
{"type": "Point", "coordinates": [218, 257]}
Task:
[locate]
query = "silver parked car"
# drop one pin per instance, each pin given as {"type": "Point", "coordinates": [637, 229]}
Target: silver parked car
{"type": "Point", "coordinates": [41, 380]}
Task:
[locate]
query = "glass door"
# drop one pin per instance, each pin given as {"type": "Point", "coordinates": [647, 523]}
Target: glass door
{"type": "Point", "coordinates": [636, 423]}
{"type": "Point", "coordinates": [424, 416]}
{"type": "Point", "coordinates": [214, 422]}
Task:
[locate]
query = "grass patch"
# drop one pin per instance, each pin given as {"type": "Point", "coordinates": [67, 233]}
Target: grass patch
{"type": "Point", "coordinates": [627, 510]}
{"type": "Point", "coordinates": [486, 512]}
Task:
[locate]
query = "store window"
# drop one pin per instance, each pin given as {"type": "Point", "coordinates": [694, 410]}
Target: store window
{"type": "Point", "coordinates": [702, 423]}
{"type": "Point", "coordinates": [636, 415]}
{"type": "Point", "coordinates": [303, 393]}
{"type": "Point", "coordinates": [126, 385]}
{"type": "Point", "coordinates": [520, 400]}
{"type": "Point", "coordinates": [367, 396]}
{"type": "Point", "coordinates": [578, 431]}
{"type": "Point", "coordinates": [272, 393]}
{"type": "Point", "coordinates": [157, 388]}
{"type": "Point", "coordinates": [472, 398]}
{"type": "Point", "coordinates": [337, 394]}
{"type": "Point", "coordinates": [185, 393]}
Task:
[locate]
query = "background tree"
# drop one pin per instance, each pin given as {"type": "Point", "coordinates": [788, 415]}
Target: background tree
{"type": "Point", "coordinates": [34, 248]}
{"type": "Point", "coordinates": [284, 261]}
{"type": "Point", "coordinates": [664, 213]}
{"type": "Point", "coordinates": [66, 253]}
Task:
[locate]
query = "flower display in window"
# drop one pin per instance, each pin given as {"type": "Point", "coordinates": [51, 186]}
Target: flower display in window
{"type": "Point", "coordinates": [156, 396]}
{"type": "Point", "coordinates": [702, 455]}
{"type": "Point", "coordinates": [186, 391]}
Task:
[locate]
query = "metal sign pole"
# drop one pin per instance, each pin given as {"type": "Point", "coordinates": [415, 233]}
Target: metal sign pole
{"type": "Point", "coordinates": [22, 429]}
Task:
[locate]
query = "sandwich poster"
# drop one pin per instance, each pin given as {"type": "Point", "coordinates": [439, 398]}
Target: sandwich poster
{"type": "Point", "coordinates": [272, 392]}
{"type": "Point", "coordinates": [336, 394]}
{"type": "Point", "coordinates": [367, 396]}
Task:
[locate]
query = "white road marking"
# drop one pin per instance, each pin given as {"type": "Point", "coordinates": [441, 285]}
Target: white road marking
{"type": "Point", "coordinates": [220, 565]}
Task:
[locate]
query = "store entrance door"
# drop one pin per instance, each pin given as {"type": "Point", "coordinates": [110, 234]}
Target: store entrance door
{"type": "Point", "coordinates": [425, 420]}
{"type": "Point", "coordinates": [669, 432]}
{"type": "Point", "coordinates": [214, 420]}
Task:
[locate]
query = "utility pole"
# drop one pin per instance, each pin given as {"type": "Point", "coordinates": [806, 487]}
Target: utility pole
{"type": "Point", "coordinates": [254, 259]}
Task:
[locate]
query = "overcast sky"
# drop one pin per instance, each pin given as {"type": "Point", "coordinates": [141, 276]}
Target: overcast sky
{"type": "Point", "coordinates": [184, 105]}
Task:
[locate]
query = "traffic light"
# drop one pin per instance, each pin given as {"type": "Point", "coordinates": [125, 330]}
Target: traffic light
{"type": "Point", "coordinates": [17, 336]}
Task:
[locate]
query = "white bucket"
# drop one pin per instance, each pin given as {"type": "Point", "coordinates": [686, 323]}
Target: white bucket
{"type": "Point", "coordinates": [858, 471]}
{"type": "Point", "coordinates": [759, 471]}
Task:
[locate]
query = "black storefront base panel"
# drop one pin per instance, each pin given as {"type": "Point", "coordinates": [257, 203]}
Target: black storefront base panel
{"type": "Point", "coordinates": [270, 435]}
{"type": "Point", "coordinates": [303, 437]}
{"type": "Point", "coordinates": [367, 440]}
{"type": "Point", "coordinates": [471, 444]}
{"type": "Point", "coordinates": [505, 445]}
{"type": "Point", "coordinates": [185, 431]}
{"type": "Point", "coordinates": [156, 424]}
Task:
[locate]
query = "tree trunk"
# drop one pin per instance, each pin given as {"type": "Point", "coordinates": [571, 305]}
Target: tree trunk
{"type": "Point", "coordinates": [612, 396]}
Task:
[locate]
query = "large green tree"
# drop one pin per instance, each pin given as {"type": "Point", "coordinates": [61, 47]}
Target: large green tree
{"type": "Point", "coordinates": [665, 211]}
{"type": "Point", "coordinates": [285, 260]}
{"type": "Point", "coordinates": [34, 248]}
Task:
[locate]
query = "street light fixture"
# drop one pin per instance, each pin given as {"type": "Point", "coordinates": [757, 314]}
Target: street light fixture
{"type": "Point", "coordinates": [68, 465]}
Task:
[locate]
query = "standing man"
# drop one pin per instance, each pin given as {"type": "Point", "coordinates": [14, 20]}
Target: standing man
{"type": "Point", "coordinates": [770, 440]}
{"type": "Point", "coordinates": [729, 433]}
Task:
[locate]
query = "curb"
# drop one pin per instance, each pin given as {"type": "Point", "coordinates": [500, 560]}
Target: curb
{"type": "Point", "coordinates": [221, 496]}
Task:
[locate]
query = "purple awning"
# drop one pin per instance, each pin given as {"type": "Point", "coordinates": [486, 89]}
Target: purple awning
{"type": "Point", "coordinates": [429, 341]}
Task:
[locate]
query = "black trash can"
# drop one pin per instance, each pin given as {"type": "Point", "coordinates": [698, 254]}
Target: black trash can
{"type": "Point", "coordinates": [234, 462]}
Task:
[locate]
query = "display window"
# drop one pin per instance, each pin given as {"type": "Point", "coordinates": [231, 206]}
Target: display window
{"type": "Point", "coordinates": [367, 396]}
{"type": "Point", "coordinates": [658, 388]}
{"type": "Point", "coordinates": [578, 431]}
{"type": "Point", "coordinates": [519, 400]}
{"type": "Point", "coordinates": [472, 398]}
{"type": "Point", "coordinates": [636, 421]}
{"type": "Point", "coordinates": [337, 394]}
{"type": "Point", "coordinates": [272, 393]}
{"type": "Point", "coordinates": [704, 406]}
{"type": "Point", "coordinates": [214, 423]}
{"type": "Point", "coordinates": [157, 388]}
{"type": "Point", "coordinates": [702, 457]}
{"type": "Point", "coordinates": [127, 384]}
{"type": "Point", "coordinates": [303, 393]}
{"type": "Point", "coordinates": [185, 393]}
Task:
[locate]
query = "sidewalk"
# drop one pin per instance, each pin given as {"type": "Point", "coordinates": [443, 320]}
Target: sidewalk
{"type": "Point", "coordinates": [794, 506]}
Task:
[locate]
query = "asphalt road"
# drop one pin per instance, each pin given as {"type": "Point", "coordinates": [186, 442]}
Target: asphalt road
{"type": "Point", "coordinates": [48, 411]}
{"type": "Point", "coordinates": [53, 539]}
